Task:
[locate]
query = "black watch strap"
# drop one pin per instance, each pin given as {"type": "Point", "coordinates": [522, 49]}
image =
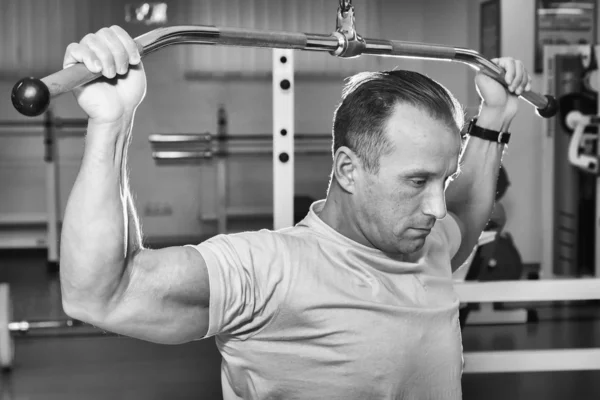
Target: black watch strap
{"type": "Point", "coordinates": [487, 134]}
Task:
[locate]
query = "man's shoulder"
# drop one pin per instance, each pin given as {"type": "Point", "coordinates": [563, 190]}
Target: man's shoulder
{"type": "Point", "coordinates": [450, 232]}
{"type": "Point", "coordinates": [264, 240]}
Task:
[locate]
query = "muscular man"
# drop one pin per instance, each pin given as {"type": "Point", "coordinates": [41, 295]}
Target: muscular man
{"type": "Point", "coordinates": [354, 302]}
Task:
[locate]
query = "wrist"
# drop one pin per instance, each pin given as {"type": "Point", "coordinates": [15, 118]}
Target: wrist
{"type": "Point", "coordinates": [118, 127]}
{"type": "Point", "coordinates": [497, 119]}
{"type": "Point", "coordinates": [107, 137]}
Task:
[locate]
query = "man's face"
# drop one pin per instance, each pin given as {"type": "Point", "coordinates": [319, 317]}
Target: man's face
{"type": "Point", "coordinates": [398, 206]}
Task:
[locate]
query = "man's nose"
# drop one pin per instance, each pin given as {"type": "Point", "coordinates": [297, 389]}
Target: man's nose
{"type": "Point", "coordinates": [434, 203]}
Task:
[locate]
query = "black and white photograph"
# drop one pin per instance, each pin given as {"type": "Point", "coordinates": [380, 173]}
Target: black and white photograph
{"type": "Point", "coordinates": [299, 200]}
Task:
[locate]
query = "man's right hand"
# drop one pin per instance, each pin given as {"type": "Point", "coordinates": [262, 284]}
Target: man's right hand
{"type": "Point", "coordinates": [114, 97]}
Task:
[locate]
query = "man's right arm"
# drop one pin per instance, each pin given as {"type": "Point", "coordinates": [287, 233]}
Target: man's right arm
{"type": "Point", "coordinates": [108, 279]}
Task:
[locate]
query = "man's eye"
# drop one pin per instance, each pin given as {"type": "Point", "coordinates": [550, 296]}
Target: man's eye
{"type": "Point", "coordinates": [418, 182]}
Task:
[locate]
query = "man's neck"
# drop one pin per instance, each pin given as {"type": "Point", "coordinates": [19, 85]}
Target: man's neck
{"type": "Point", "coordinates": [340, 214]}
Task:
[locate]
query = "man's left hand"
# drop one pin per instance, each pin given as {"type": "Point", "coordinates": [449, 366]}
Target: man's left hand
{"type": "Point", "coordinates": [499, 102]}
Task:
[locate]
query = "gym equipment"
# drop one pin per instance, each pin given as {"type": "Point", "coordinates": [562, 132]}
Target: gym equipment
{"type": "Point", "coordinates": [530, 291]}
{"type": "Point", "coordinates": [577, 114]}
{"type": "Point", "coordinates": [583, 102]}
{"type": "Point", "coordinates": [8, 327]}
{"type": "Point", "coordinates": [32, 96]}
{"type": "Point", "coordinates": [190, 148]}
{"type": "Point", "coordinates": [569, 201]}
{"type": "Point", "coordinates": [51, 128]}
{"type": "Point", "coordinates": [170, 147]}
{"type": "Point", "coordinates": [582, 144]}
{"type": "Point", "coordinates": [496, 259]}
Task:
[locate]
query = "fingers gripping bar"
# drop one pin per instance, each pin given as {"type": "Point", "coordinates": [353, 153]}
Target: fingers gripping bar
{"type": "Point", "coordinates": [32, 97]}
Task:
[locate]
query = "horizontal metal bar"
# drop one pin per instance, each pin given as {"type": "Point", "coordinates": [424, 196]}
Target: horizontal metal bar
{"type": "Point", "coordinates": [27, 241]}
{"type": "Point", "coordinates": [182, 155]}
{"type": "Point", "coordinates": [38, 133]}
{"type": "Point", "coordinates": [336, 44]}
{"type": "Point", "coordinates": [23, 218]}
{"type": "Point", "coordinates": [207, 154]}
{"type": "Point", "coordinates": [207, 137]}
{"type": "Point", "coordinates": [62, 123]}
{"type": "Point", "coordinates": [532, 361]}
{"type": "Point", "coordinates": [523, 291]}
{"type": "Point", "coordinates": [22, 124]}
{"type": "Point", "coordinates": [246, 211]}
{"type": "Point", "coordinates": [397, 48]}
{"type": "Point", "coordinates": [26, 326]}
{"type": "Point", "coordinates": [208, 34]}
{"type": "Point", "coordinates": [161, 37]}
{"type": "Point", "coordinates": [180, 138]}
{"type": "Point", "coordinates": [56, 123]}
{"type": "Point", "coordinates": [269, 136]}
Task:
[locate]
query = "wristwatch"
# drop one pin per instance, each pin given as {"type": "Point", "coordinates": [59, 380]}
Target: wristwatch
{"type": "Point", "coordinates": [487, 134]}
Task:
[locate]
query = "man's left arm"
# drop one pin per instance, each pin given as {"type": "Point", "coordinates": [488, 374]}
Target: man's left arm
{"type": "Point", "coordinates": [470, 197]}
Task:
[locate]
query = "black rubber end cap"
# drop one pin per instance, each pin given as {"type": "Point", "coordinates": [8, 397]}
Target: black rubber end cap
{"type": "Point", "coordinates": [551, 108]}
{"type": "Point", "coordinates": [30, 97]}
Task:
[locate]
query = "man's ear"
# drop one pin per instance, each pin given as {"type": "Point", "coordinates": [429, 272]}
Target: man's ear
{"type": "Point", "coordinates": [346, 166]}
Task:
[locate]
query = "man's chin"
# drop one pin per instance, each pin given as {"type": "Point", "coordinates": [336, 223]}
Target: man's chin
{"type": "Point", "coordinates": [412, 246]}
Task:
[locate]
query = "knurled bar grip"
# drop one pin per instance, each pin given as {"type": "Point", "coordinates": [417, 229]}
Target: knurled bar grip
{"type": "Point", "coordinates": [31, 96]}
{"type": "Point", "coordinates": [422, 50]}
{"type": "Point", "coordinates": [254, 38]}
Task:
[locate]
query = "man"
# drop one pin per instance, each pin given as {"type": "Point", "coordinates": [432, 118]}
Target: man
{"type": "Point", "coordinates": [356, 301]}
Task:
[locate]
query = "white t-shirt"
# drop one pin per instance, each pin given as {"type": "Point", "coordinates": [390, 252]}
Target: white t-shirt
{"type": "Point", "coordinates": [307, 313]}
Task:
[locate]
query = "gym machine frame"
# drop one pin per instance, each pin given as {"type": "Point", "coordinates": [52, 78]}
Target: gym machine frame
{"type": "Point", "coordinates": [199, 148]}
{"type": "Point", "coordinates": [32, 96]}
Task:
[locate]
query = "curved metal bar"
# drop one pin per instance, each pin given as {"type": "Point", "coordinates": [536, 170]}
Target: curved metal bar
{"type": "Point", "coordinates": [224, 36]}
{"type": "Point", "coordinates": [32, 97]}
{"type": "Point", "coordinates": [480, 63]}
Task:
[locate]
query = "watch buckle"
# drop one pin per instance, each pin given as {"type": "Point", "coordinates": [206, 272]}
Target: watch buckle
{"type": "Point", "coordinates": [500, 135]}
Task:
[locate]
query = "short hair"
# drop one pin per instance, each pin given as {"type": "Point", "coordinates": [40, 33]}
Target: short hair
{"type": "Point", "coordinates": [368, 100]}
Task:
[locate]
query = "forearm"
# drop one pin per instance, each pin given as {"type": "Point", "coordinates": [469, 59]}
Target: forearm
{"type": "Point", "coordinates": [100, 231]}
{"type": "Point", "coordinates": [471, 196]}
{"type": "Point", "coordinates": [133, 228]}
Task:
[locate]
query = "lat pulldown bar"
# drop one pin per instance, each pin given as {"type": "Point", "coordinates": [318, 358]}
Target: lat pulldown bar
{"type": "Point", "coordinates": [32, 96]}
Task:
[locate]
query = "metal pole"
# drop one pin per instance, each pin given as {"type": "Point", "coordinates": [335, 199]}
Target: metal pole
{"type": "Point", "coordinates": [283, 138]}
{"type": "Point", "coordinates": [26, 326]}
{"type": "Point", "coordinates": [342, 43]}
{"type": "Point", "coordinates": [596, 269]}
{"type": "Point", "coordinates": [221, 176]}
{"type": "Point", "coordinates": [52, 190]}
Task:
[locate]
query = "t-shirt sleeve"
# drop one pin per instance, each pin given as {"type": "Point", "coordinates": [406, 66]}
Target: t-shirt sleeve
{"type": "Point", "coordinates": [245, 275]}
{"type": "Point", "coordinates": [451, 232]}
